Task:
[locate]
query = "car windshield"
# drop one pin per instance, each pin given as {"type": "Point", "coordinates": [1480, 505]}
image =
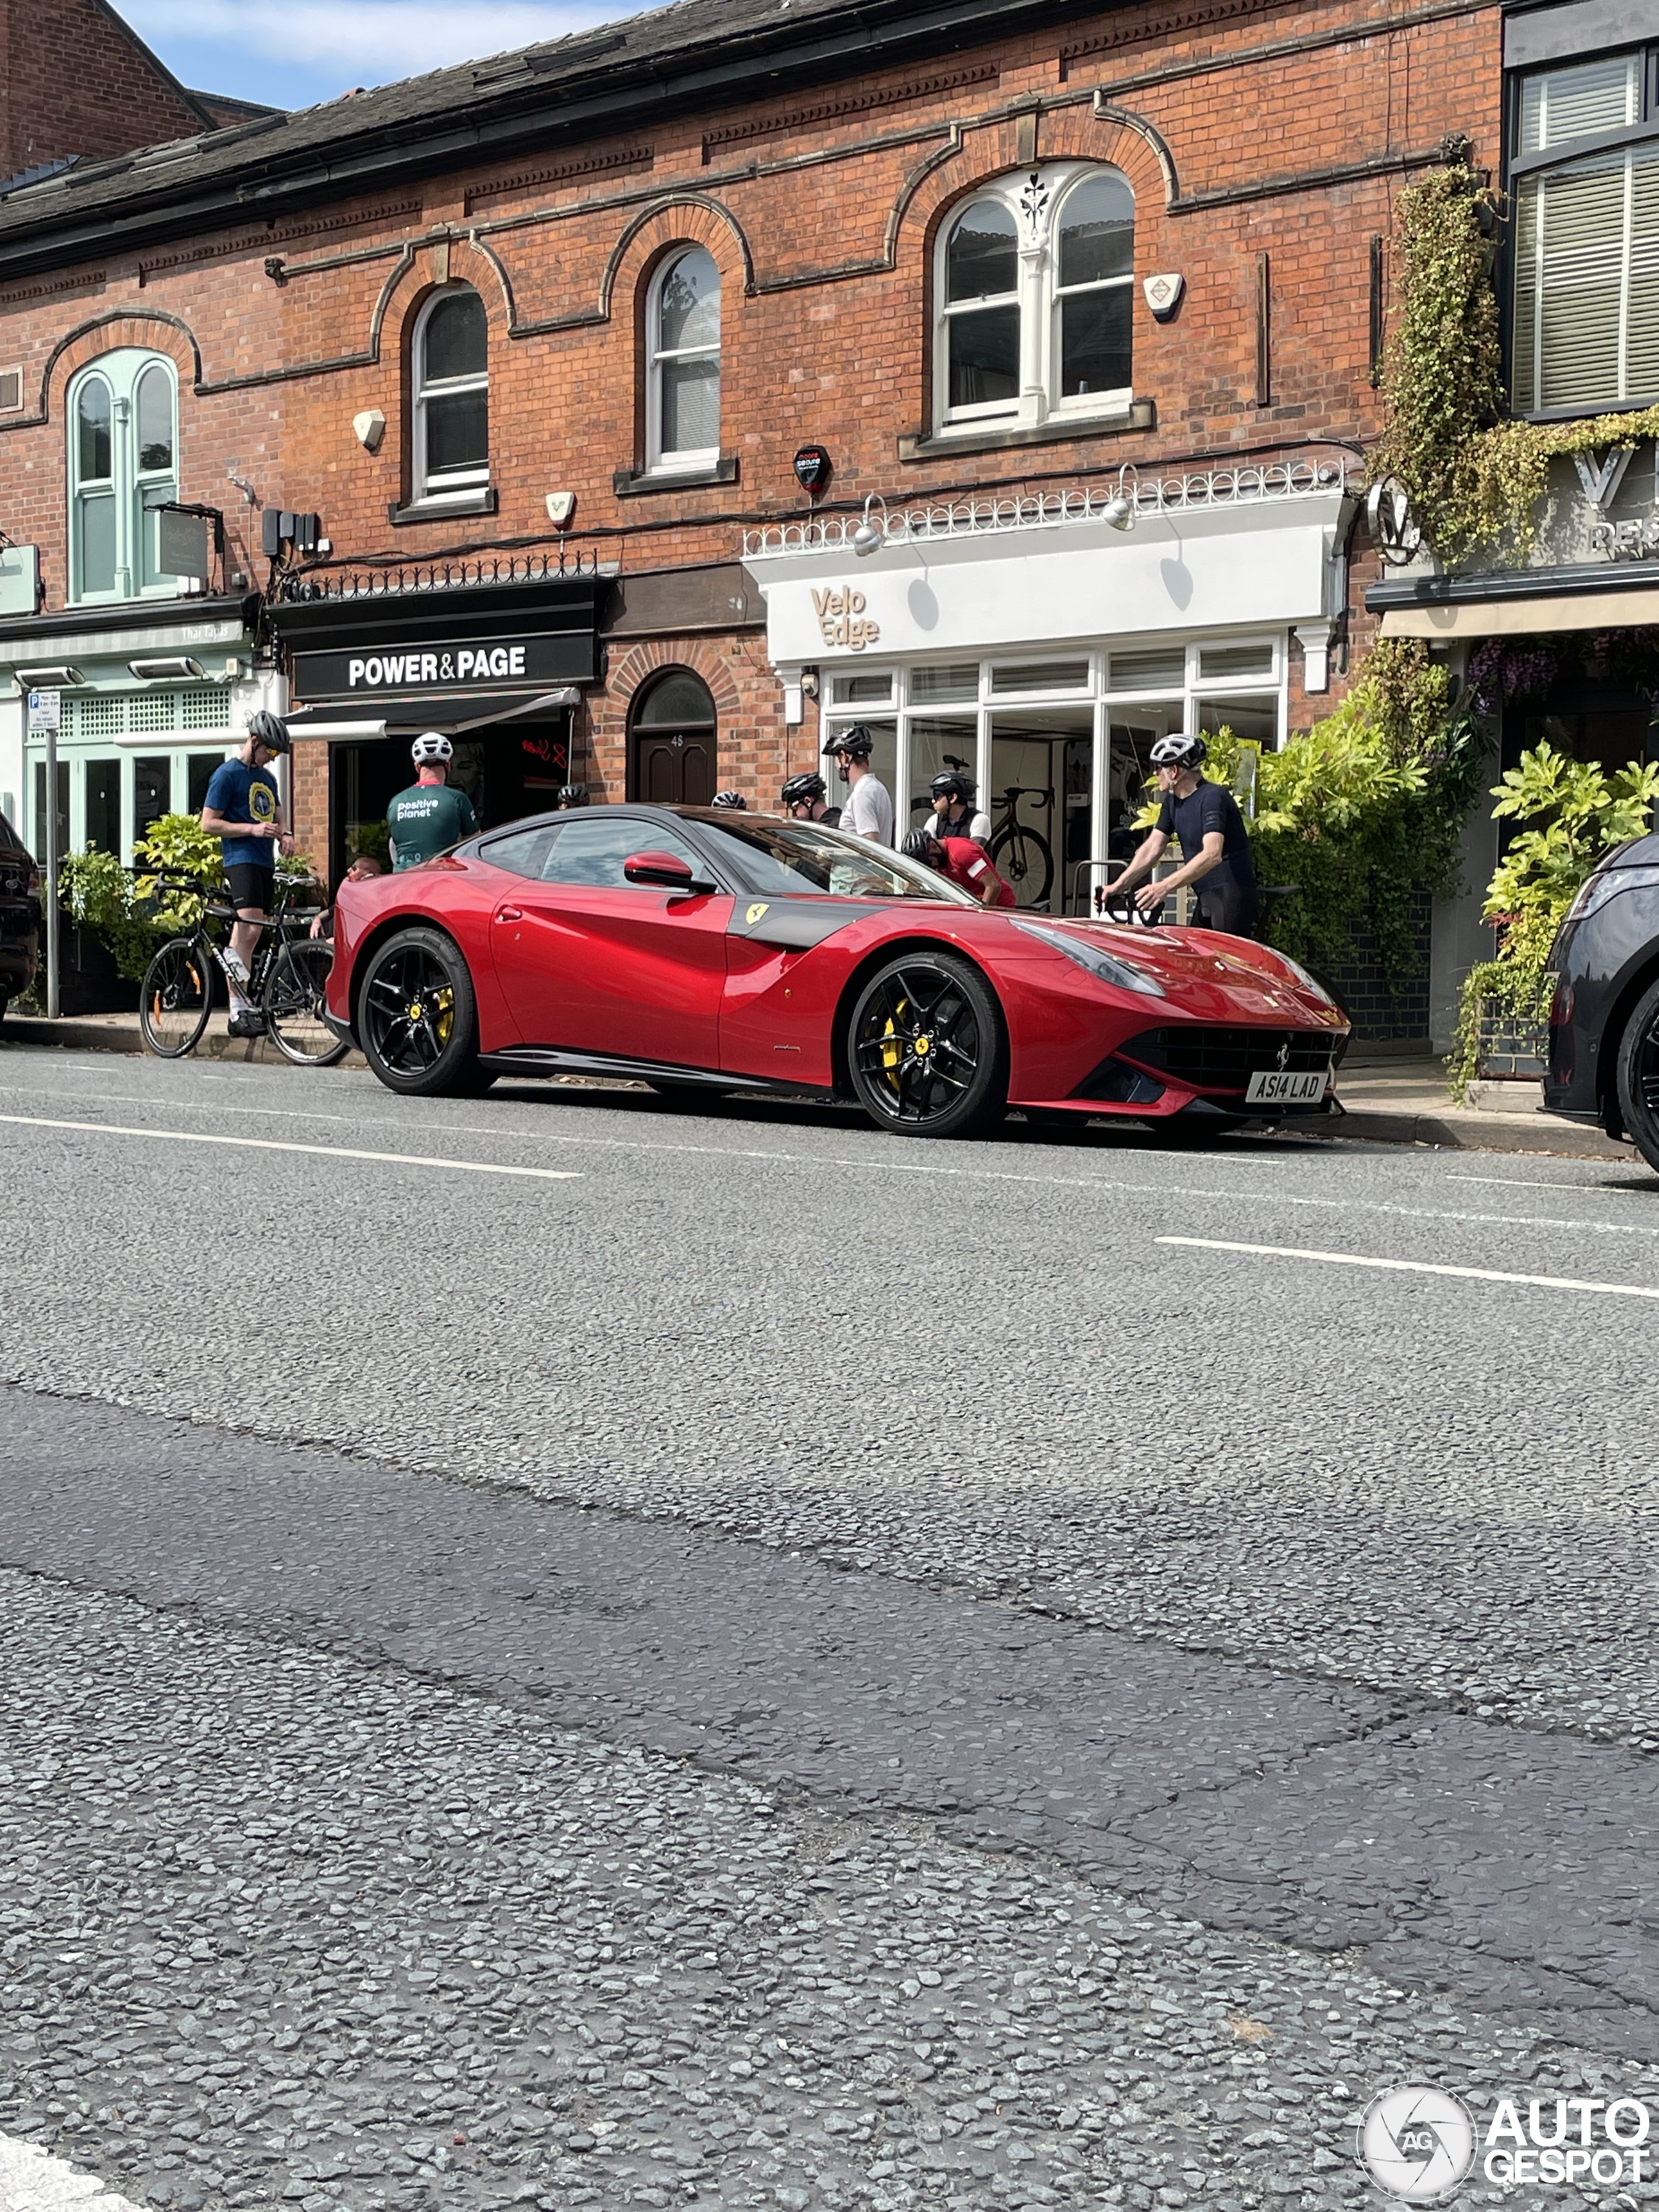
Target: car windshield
{"type": "Point", "coordinates": [778, 857]}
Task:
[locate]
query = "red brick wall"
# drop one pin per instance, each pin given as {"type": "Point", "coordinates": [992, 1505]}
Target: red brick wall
{"type": "Point", "coordinates": [74, 81]}
{"type": "Point", "coordinates": [808, 356]}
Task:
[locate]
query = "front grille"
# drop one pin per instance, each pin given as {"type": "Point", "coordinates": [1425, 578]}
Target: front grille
{"type": "Point", "coordinates": [1225, 1059]}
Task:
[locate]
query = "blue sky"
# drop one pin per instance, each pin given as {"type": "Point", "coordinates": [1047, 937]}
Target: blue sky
{"type": "Point", "coordinates": [295, 52]}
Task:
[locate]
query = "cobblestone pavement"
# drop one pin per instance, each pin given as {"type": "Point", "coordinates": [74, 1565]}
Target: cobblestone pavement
{"type": "Point", "coordinates": [796, 1669]}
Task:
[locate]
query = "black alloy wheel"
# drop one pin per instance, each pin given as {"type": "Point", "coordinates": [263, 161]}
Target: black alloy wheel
{"type": "Point", "coordinates": [1638, 1076]}
{"type": "Point", "coordinates": [175, 998]}
{"type": "Point", "coordinates": [924, 1048]}
{"type": "Point", "coordinates": [418, 1019]}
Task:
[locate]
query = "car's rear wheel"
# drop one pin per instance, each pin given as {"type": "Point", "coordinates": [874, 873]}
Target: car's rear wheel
{"type": "Point", "coordinates": [418, 1019]}
{"type": "Point", "coordinates": [926, 1049]}
{"type": "Point", "coordinates": [1638, 1076]}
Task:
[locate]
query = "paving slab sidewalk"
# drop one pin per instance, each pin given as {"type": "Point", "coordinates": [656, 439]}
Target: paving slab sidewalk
{"type": "Point", "coordinates": [1386, 1100]}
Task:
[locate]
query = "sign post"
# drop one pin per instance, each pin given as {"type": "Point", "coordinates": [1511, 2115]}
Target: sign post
{"type": "Point", "coordinates": [45, 708]}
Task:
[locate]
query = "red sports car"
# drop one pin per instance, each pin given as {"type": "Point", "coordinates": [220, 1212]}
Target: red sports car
{"type": "Point", "coordinates": [705, 950]}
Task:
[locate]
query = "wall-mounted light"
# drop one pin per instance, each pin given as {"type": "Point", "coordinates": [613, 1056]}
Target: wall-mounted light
{"type": "Point", "coordinates": [166, 667]}
{"type": "Point", "coordinates": [1120, 507]}
{"type": "Point", "coordinates": [368, 428]}
{"type": "Point", "coordinates": [58, 677]}
{"type": "Point", "coordinates": [867, 539]}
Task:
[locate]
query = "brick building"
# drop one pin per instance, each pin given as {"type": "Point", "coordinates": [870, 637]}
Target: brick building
{"type": "Point", "coordinates": [997, 374]}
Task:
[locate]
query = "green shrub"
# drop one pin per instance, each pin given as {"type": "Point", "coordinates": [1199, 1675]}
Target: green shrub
{"type": "Point", "coordinates": [126, 910]}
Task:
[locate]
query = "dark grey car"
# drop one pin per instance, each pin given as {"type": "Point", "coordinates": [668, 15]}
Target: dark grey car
{"type": "Point", "coordinates": [1604, 1023]}
{"type": "Point", "coordinates": [19, 915]}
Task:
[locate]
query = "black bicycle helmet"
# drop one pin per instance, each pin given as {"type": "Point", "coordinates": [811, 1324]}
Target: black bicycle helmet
{"type": "Point", "coordinates": [918, 846]}
{"type": "Point", "coordinates": [856, 743]}
{"type": "Point", "coordinates": [574, 795]}
{"type": "Point", "coordinates": [951, 783]}
{"type": "Point", "coordinates": [732, 801]}
{"type": "Point", "coordinates": [271, 730]}
{"type": "Point", "coordinates": [802, 790]}
{"type": "Point", "coordinates": [1182, 750]}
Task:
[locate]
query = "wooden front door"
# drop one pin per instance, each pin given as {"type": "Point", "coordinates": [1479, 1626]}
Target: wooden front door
{"type": "Point", "coordinates": [674, 767]}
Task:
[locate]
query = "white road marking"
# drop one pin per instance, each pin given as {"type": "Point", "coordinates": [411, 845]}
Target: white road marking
{"type": "Point", "coordinates": [1522, 1183]}
{"type": "Point", "coordinates": [32, 2181]}
{"type": "Point", "coordinates": [276, 1145]}
{"type": "Point", "coordinates": [1415, 1266]}
{"type": "Point", "coordinates": [1151, 1187]}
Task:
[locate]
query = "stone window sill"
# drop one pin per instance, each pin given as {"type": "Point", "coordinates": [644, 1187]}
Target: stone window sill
{"type": "Point", "coordinates": [440, 510]}
{"type": "Point", "coordinates": [641, 483]}
{"type": "Point", "coordinates": [1140, 415]}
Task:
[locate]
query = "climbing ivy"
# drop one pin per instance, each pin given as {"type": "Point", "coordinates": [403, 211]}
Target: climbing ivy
{"type": "Point", "coordinates": [1473, 478]}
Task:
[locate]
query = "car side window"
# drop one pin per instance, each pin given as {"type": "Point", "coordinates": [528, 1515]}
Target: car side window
{"type": "Point", "coordinates": [522, 854]}
{"type": "Point", "coordinates": [590, 854]}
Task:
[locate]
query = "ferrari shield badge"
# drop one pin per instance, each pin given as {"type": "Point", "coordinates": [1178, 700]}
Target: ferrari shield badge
{"type": "Point", "coordinates": [754, 914]}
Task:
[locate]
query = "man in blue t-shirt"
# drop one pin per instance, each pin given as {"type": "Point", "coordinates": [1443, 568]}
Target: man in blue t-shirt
{"type": "Point", "coordinates": [244, 808]}
{"type": "Point", "coordinates": [1215, 846]}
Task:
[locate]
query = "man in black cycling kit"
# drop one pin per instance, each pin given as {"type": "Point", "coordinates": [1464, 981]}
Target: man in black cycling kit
{"type": "Point", "coordinates": [1215, 846]}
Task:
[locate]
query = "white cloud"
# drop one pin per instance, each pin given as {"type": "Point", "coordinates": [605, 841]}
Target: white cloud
{"type": "Point", "coordinates": [373, 41]}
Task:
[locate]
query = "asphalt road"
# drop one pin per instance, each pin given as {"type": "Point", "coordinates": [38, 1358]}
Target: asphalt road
{"type": "Point", "coordinates": [559, 1651]}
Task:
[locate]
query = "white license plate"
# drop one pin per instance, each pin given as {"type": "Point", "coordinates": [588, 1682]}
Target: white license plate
{"type": "Point", "coordinates": [1277, 1086]}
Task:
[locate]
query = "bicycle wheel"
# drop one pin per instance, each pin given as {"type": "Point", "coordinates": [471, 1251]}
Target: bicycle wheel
{"type": "Point", "coordinates": [175, 998]}
{"type": "Point", "coordinates": [1022, 857]}
{"type": "Point", "coordinates": [293, 1006]}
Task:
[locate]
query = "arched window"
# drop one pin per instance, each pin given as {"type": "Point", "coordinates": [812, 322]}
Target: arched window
{"type": "Point", "coordinates": [1035, 292]}
{"type": "Point", "coordinates": [673, 742]}
{"type": "Point", "coordinates": [123, 464]}
{"type": "Point", "coordinates": [452, 396]}
{"type": "Point", "coordinates": [682, 324]}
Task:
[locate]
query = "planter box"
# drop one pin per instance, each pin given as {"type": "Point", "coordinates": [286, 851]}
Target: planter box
{"type": "Point", "coordinates": [1507, 1051]}
{"type": "Point", "coordinates": [89, 981]}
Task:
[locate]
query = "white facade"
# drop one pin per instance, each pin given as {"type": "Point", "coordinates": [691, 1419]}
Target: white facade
{"type": "Point", "coordinates": [1049, 641]}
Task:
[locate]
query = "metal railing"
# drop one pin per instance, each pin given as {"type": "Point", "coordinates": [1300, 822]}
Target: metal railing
{"type": "Point", "coordinates": [1247, 485]}
{"type": "Point", "coordinates": [303, 586]}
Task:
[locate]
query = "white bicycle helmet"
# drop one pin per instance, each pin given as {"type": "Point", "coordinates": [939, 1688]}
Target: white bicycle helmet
{"type": "Point", "coordinates": [1183, 750]}
{"type": "Point", "coordinates": [432, 750]}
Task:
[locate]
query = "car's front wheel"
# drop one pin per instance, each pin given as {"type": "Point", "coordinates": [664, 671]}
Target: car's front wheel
{"type": "Point", "coordinates": [418, 1019]}
{"type": "Point", "coordinates": [925, 1049]}
{"type": "Point", "coordinates": [1638, 1076]}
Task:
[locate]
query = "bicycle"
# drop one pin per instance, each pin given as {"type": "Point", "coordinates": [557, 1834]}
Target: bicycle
{"type": "Point", "coordinates": [286, 983]}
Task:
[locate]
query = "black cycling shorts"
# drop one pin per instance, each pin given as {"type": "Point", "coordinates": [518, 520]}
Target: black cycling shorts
{"type": "Point", "coordinates": [250, 885]}
{"type": "Point", "coordinates": [1228, 906]}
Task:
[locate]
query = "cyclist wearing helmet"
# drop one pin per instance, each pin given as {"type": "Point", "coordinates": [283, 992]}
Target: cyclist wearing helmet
{"type": "Point", "coordinates": [804, 800]}
{"type": "Point", "coordinates": [244, 807]}
{"type": "Point", "coordinates": [732, 802]}
{"type": "Point", "coordinates": [572, 794]}
{"type": "Point", "coordinates": [954, 814]}
{"type": "Point", "coordinates": [869, 809]}
{"type": "Point", "coordinates": [1215, 846]}
{"type": "Point", "coordinates": [429, 817]}
{"type": "Point", "coordinates": [962, 861]}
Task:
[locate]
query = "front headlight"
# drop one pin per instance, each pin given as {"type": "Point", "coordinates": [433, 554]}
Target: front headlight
{"type": "Point", "coordinates": [1310, 983]}
{"type": "Point", "coordinates": [1594, 895]}
{"type": "Point", "coordinates": [1104, 966]}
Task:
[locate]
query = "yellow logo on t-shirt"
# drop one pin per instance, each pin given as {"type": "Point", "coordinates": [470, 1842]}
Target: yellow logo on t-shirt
{"type": "Point", "coordinates": [261, 803]}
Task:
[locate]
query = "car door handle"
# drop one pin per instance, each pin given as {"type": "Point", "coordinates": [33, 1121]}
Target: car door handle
{"type": "Point", "coordinates": [510, 913]}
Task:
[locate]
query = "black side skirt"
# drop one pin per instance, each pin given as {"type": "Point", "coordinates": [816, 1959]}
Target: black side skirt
{"type": "Point", "coordinates": [547, 1059]}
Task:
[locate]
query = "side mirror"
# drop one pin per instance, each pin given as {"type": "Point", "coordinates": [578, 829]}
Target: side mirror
{"type": "Point", "coordinates": [667, 871]}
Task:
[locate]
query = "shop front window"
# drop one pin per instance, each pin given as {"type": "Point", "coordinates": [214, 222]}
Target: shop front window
{"type": "Point", "coordinates": [123, 417]}
{"type": "Point", "coordinates": [152, 791]}
{"type": "Point", "coordinates": [103, 806]}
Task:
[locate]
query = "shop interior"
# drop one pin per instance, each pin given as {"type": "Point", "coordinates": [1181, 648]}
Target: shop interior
{"type": "Point", "coordinates": [508, 769]}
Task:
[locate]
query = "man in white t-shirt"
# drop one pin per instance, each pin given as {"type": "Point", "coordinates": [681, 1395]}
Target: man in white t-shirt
{"type": "Point", "coordinates": [868, 811]}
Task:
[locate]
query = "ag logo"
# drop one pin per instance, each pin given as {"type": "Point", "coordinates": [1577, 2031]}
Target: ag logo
{"type": "Point", "coordinates": [754, 914]}
{"type": "Point", "coordinates": [1417, 2143]}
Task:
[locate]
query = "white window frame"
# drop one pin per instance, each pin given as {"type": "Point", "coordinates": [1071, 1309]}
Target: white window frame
{"type": "Point", "coordinates": [454, 485]}
{"type": "Point", "coordinates": [679, 460]}
{"type": "Point", "coordinates": [134, 491]}
{"type": "Point", "coordinates": [1035, 198]}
